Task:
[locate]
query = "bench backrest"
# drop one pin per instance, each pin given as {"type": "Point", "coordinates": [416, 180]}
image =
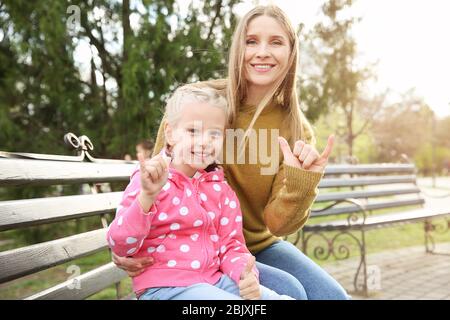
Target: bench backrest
{"type": "Point", "coordinates": [377, 186]}
{"type": "Point", "coordinates": [19, 170]}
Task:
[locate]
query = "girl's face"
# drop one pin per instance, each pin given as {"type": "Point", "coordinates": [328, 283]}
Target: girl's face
{"type": "Point", "coordinates": [266, 53]}
{"type": "Point", "coordinates": [197, 137]}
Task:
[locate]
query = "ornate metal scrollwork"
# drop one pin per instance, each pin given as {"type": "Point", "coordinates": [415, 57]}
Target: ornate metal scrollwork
{"type": "Point", "coordinates": [332, 245]}
{"type": "Point", "coordinates": [441, 226]}
{"type": "Point", "coordinates": [81, 144]}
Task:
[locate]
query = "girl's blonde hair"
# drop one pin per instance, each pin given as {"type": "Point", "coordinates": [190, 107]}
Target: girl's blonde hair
{"type": "Point", "coordinates": [284, 91]}
{"type": "Point", "coordinates": [192, 93]}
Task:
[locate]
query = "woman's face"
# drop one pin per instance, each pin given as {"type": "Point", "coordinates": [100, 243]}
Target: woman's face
{"type": "Point", "coordinates": [266, 53]}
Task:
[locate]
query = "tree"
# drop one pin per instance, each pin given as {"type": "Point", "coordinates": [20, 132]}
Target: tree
{"type": "Point", "coordinates": [331, 79]}
{"type": "Point", "coordinates": [113, 92]}
{"type": "Point", "coordinates": [403, 127]}
{"type": "Point", "coordinates": [139, 52]}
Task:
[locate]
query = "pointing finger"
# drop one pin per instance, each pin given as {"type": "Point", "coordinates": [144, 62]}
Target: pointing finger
{"type": "Point", "coordinates": [329, 148]}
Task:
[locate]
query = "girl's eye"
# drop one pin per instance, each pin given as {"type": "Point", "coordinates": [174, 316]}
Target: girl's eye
{"type": "Point", "coordinates": [251, 41]}
{"type": "Point", "coordinates": [277, 43]}
{"type": "Point", "coordinates": [192, 131]}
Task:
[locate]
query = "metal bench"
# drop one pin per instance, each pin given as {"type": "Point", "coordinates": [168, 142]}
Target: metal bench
{"type": "Point", "coordinates": [24, 169]}
{"type": "Point", "coordinates": [349, 203]}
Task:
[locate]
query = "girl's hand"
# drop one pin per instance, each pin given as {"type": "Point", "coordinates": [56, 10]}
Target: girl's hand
{"type": "Point", "coordinates": [305, 156]}
{"type": "Point", "coordinates": [132, 266]}
{"type": "Point", "coordinates": [248, 285]}
{"type": "Point", "coordinates": [154, 173]}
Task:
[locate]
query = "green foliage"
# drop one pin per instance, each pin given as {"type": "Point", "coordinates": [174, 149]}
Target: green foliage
{"type": "Point", "coordinates": [140, 51]}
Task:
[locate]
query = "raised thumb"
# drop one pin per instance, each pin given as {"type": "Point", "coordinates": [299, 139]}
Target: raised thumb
{"type": "Point", "coordinates": [249, 267]}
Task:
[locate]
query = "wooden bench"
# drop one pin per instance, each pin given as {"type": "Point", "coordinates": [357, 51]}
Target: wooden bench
{"type": "Point", "coordinates": [22, 169]}
{"type": "Point", "coordinates": [352, 195]}
{"type": "Point", "coordinates": [349, 203]}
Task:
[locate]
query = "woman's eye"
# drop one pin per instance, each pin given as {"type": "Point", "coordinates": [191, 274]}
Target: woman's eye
{"type": "Point", "coordinates": [277, 43]}
{"type": "Point", "coordinates": [251, 41]}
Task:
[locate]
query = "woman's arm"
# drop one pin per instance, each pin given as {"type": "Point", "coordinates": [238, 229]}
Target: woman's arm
{"type": "Point", "coordinates": [295, 187]}
{"type": "Point", "coordinates": [293, 193]}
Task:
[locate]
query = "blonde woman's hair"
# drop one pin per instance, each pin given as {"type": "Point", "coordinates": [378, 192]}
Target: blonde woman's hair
{"type": "Point", "coordinates": [284, 91]}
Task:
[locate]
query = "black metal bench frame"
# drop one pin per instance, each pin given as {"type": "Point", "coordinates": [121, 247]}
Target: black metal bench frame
{"type": "Point", "coordinates": [360, 216]}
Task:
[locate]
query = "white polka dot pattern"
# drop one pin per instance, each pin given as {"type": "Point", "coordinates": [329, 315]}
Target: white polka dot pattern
{"type": "Point", "coordinates": [198, 223]}
{"type": "Point", "coordinates": [171, 263]}
{"type": "Point", "coordinates": [184, 248]}
{"type": "Point", "coordinates": [131, 240]}
{"type": "Point", "coordinates": [184, 211]}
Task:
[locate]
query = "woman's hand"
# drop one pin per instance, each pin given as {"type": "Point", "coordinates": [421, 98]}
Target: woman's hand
{"type": "Point", "coordinates": [305, 156]}
{"type": "Point", "coordinates": [132, 266]}
{"type": "Point", "coordinates": [249, 288]}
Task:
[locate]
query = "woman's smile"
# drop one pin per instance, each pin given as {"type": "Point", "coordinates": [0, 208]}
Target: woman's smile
{"type": "Point", "coordinates": [262, 67]}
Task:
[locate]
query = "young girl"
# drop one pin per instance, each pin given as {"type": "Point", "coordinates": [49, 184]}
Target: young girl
{"type": "Point", "coordinates": [179, 209]}
{"type": "Point", "coordinates": [262, 94]}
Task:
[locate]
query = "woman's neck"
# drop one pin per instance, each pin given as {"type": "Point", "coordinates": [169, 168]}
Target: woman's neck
{"type": "Point", "coordinates": [255, 94]}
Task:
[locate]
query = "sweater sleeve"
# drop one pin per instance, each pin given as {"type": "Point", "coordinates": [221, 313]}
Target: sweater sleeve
{"type": "Point", "coordinates": [131, 225]}
{"type": "Point", "coordinates": [233, 251]}
{"type": "Point", "coordinates": [293, 193]}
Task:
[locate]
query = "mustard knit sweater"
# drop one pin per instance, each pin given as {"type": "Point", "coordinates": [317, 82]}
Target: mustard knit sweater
{"type": "Point", "coordinates": [285, 197]}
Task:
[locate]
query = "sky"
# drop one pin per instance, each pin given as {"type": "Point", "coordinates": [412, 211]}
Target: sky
{"type": "Point", "coordinates": [410, 40]}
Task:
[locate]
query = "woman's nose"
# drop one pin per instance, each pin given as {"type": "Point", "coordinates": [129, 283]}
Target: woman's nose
{"type": "Point", "coordinates": [262, 51]}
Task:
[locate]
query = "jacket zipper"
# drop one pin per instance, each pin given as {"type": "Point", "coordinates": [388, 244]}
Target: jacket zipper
{"type": "Point", "coordinates": [206, 224]}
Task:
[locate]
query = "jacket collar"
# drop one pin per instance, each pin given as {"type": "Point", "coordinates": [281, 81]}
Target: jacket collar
{"type": "Point", "coordinates": [211, 173]}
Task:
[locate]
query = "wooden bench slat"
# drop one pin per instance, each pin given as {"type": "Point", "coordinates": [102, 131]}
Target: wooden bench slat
{"type": "Point", "coordinates": [382, 168]}
{"type": "Point", "coordinates": [89, 283]}
{"type": "Point", "coordinates": [369, 207]}
{"type": "Point", "coordinates": [366, 181]}
{"type": "Point", "coordinates": [18, 172]}
{"type": "Point", "coordinates": [380, 220]}
{"type": "Point", "coordinates": [24, 213]}
{"type": "Point", "coordinates": [23, 261]}
{"type": "Point", "coordinates": [335, 196]}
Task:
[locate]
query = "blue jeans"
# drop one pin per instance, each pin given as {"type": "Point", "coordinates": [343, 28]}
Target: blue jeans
{"type": "Point", "coordinates": [224, 289]}
{"type": "Point", "coordinates": [286, 270]}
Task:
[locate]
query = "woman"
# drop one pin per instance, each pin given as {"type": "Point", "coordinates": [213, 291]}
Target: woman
{"type": "Point", "coordinates": [261, 93]}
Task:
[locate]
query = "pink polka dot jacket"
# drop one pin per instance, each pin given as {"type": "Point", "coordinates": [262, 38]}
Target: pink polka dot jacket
{"type": "Point", "coordinates": [193, 231]}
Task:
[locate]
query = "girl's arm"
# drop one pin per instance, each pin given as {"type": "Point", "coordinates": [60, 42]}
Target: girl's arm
{"type": "Point", "coordinates": [132, 223]}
